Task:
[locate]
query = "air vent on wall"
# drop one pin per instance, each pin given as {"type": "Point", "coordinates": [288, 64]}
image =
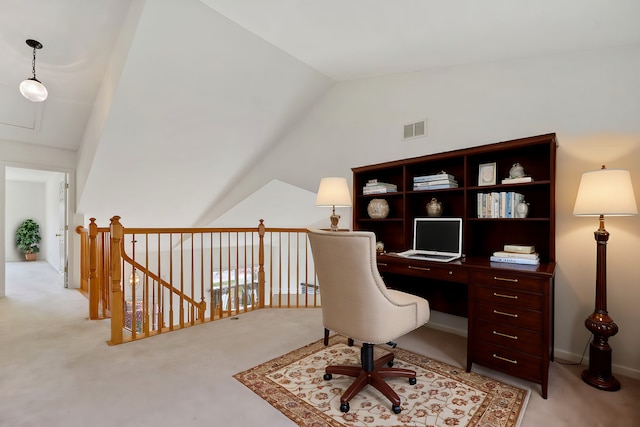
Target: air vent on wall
{"type": "Point", "coordinates": [415, 130]}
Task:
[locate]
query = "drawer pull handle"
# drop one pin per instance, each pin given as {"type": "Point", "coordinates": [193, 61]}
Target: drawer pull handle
{"type": "Point", "coordinates": [505, 314]}
{"type": "Point", "coordinates": [420, 268]}
{"type": "Point", "coordinates": [513, 337]}
{"type": "Point", "coordinates": [495, 294]}
{"type": "Point", "coordinates": [382, 264]}
{"type": "Point", "coordinates": [505, 279]}
{"type": "Point", "coordinates": [515, 362]}
{"type": "Point", "coordinates": [450, 272]}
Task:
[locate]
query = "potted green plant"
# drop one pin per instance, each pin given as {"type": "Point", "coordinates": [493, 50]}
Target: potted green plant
{"type": "Point", "coordinates": [28, 239]}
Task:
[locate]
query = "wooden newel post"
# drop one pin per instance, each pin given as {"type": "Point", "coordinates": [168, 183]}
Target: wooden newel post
{"type": "Point", "coordinates": [94, 283]}
{"type": "Point", "coordinates": [117, 315]}
{"type": "Point", "coordinates": [261, 287]}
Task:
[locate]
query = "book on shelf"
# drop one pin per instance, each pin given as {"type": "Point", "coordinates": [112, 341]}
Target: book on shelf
{"type": "Point", "coordinates": [518, 180]}
{"type": "Point", "coordinates": [373, 186]}
{"type": "Point", "coordinates": [434, 177]}
{"type": "Point", "coordinates": [523, 249]}
{"type": "Point", "coordinates": [505, 254]}
{"type": "Point", "coordinates": [434, 187]}
{"type": "Point", "coordinates": [382, 185]}
{"type": "Point", "coordinates": [498, 204]}
{"type": "Point", "coordinates": [376, 183]}
{"type": "Point", "coordinates": [511, 260]}
{"type": "Point", "coordinates": [435, 182]}
{"type": "Point", "coordinates": [377, 190]}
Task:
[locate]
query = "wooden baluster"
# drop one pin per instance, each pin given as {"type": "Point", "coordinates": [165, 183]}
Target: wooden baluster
{"type": "Point", "coordinates": [84, 258]}
{"type": "Point", "coordinates": [261, 231]}
{"type": "Point", "coordinates": [94, 283]}
{"type": "Point", "coordinates": [170, 296]}
{"type": "Point", "coordinates": [117, 318]}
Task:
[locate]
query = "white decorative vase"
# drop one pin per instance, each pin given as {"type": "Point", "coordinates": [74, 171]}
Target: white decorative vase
{"type": "Point", "coordinates": [516, 171]}
{"type": "Point", "coordinates": [378, 209]}
{"type": "Point", "coordinates": [522, 209]}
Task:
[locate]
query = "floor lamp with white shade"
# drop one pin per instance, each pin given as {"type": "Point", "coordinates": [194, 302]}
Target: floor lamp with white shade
{"type": "Point", "coordinates": [604, 192]}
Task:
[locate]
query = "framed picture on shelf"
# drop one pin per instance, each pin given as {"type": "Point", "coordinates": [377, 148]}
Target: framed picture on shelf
{"type": "Point", "coordinates": [487, 174]}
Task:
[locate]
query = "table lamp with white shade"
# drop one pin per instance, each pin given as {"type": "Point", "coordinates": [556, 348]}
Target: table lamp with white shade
{"type": "Point", "coordinates": [604, 192]}
{"type": "Point", "coordinates": [333, 191]}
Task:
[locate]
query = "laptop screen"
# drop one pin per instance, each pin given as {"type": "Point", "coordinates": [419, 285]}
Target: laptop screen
{"type": "Point", "coordinates": [438, 235]}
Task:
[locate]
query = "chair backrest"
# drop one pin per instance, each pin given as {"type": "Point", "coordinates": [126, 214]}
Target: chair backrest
{"type": "Point", "coordinates": [355, 300]}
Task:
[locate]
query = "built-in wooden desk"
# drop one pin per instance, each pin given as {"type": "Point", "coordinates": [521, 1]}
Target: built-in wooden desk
{"type": "Point", "coordinates": [509, 308]}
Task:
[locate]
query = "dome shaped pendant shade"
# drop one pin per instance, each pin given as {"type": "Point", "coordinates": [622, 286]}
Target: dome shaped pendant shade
{"type": "Point", "coordinates": [31, 88]}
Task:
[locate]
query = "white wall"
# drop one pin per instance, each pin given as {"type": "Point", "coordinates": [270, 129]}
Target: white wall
{"type": "Point", "coordinates": [102, 105]}
{"type": "Point", "coordinates": [197, 100]}
{"type": "Point", "coordinates": [589, 99]}
{"type": "Point", "coordinates": [281, 205]}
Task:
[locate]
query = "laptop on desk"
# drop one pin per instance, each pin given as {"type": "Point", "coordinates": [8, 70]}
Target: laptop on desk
{"type": "Point", "coordinates": [436, 239]}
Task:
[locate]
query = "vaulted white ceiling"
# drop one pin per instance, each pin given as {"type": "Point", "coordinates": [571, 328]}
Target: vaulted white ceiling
{"type": "Point", "coordinates": [351, 39]}
{"type": "Point", "coordinates": [207, 85]}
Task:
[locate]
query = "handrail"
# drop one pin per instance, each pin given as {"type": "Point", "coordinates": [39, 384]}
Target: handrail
{"type": "Point", "coordinates": [201, 305]}
{"type": "Point", "coordinates": [180, 275]}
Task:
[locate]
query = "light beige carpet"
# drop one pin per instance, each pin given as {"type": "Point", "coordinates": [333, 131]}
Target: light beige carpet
{"type": "Point", "coordinates": [443, 396]}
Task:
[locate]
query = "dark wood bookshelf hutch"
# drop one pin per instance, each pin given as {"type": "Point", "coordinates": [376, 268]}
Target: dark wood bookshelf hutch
{"type": "Point", "coordinates": [509, 306]}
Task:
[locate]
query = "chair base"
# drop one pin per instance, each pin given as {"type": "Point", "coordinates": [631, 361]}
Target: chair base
{"type": "Point", "coordinates": [370, 372]}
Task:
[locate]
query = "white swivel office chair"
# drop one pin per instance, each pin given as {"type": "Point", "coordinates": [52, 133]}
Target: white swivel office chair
{"type": "Point", "coordinates": [357, 304]}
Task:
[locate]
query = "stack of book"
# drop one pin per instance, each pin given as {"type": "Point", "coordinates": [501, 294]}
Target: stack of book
{"type": "Point", "coordinates": [373, 186]}
{"type": "Point", "coordinates": [434, 182]}
{"type": "Point", "coordinates": [517, 254]}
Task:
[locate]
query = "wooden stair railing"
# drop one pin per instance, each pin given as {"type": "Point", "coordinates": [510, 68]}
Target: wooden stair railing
{"type": "Point", "coordinates": [242, 269]}
{"type": "Point", "coordinates": [94, 268]}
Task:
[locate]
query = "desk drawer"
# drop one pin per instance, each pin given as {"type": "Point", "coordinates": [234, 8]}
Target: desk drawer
{"type": "Point", "coordinates": [509, 315]}
{"type": "Point", "coordinates": [509, 361]}
{"type": "Point", "coordinates": [509, 280]}
{"type": "Point", "coordinates": [510, 297]}
{"type": "Point", "coordinates": [426, 270]}
{"type": "Point", "coordinates": [504, 335]}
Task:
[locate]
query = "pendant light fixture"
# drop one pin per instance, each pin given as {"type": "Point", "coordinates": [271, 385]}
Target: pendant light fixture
{"type": "Point", "coordinates": [31, 88]}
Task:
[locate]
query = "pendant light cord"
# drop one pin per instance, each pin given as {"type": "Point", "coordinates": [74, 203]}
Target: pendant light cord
{"type": "Point", "coordinates": [33, 63]}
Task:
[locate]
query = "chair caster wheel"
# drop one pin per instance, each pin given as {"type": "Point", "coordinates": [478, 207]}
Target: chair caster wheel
{"type": "Point", "coordinates": [396, 409]}
{"type": "Point", "coordinates": [345, 407]}
{"type": "Point", "coordinates": [412, 381]}
{"type": "Point", "coordinates": [327, 377]}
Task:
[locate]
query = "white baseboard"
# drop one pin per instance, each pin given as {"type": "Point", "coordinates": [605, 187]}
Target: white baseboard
{"type": "Point", "coordinates": [448, 323]}
{"type": "Point", "coordinates": [615, 369]}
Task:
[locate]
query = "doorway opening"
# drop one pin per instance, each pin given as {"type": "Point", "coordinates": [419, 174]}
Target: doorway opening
{"type": "Point", "coordinates": [41, 195]}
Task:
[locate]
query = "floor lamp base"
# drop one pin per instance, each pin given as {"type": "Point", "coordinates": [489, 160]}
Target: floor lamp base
{"type": "Point", "coordinates": [606, 383]}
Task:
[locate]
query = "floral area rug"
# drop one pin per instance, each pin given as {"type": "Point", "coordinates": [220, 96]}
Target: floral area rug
{"type": "Point", "coordinates": [443, 396]}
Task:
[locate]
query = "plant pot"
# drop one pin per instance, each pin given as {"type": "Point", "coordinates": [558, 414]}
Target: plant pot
{"type": "Point", "coordinates": [31, 257]}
